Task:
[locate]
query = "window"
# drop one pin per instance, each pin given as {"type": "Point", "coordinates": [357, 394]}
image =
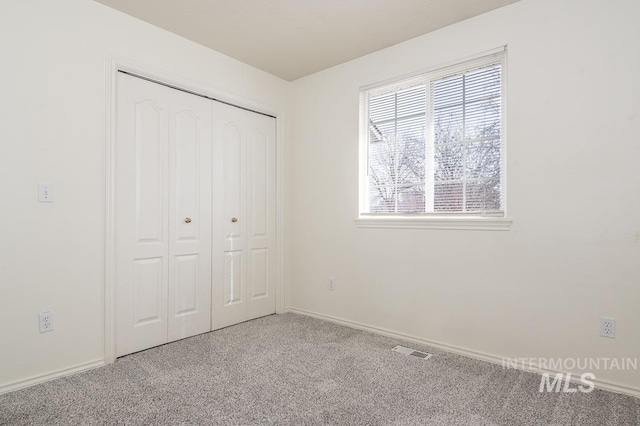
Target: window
{"type": "Point", "coordinates": [435, 143]}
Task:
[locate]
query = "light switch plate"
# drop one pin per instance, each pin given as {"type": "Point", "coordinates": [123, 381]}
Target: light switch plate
{"type": "Point", "coordinates": [45, 193]}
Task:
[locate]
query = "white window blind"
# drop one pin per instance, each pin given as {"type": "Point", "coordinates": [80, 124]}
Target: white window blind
{"type": "Point", "coordinates": [435, 142]}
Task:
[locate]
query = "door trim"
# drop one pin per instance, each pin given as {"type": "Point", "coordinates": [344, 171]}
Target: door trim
{"type": "Point", "coordinates": [113, 65]}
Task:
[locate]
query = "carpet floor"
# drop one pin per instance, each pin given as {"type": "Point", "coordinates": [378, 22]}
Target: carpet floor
{"type": "Point", "coordinates": [295, 370]}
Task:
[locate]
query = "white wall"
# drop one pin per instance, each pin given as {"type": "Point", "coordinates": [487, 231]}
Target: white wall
{"type": "Point", "coordinates": [573, 252]}
{"type": "Point", "coordinates": [52, 129]}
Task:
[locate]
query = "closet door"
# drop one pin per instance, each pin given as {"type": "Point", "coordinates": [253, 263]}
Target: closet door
{"type": "Point", "coordinates": [243, 215]}
{"type": "Point", "coordinates": [189, 298]}
{"type": "Point", "coordinates": [261, 214]}
{"type": "Point", "coordinates": [141, 216]}
{"type": "Point", "coordinates": [162, 215]}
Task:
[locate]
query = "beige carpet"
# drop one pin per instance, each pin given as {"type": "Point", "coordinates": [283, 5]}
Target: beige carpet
{"type": "Point", "coordinates": [294, 370]}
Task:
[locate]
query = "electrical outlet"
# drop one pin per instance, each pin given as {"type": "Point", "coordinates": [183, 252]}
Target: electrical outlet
{"type": "Point", "coordinates": [46, 321]}
{"type": "Point", "coordinates": [332, 283]}
{"type": "Point", "coordinates": [608, 327]}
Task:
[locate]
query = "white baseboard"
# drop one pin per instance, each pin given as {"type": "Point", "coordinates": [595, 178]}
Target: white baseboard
{"type": "Point", "coordinates": [35, 380]}
{"type": "Point", "coordinates": [494, 359]}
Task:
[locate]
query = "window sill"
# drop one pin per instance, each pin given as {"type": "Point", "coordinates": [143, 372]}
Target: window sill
{"type": "Point", "coordinates": [441, 222]}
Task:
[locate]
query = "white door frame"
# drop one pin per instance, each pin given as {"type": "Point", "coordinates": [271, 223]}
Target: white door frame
{"type": "Point", "coordinates": [115, 64]}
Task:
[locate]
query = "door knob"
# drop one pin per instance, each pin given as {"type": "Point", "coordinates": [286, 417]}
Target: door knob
{"type": "Point", "coordinates": [234, 219]}
{"type": "Point", "coordinates": [187, 220]}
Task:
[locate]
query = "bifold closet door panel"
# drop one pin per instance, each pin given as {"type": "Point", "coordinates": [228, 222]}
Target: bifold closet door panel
{"type": "Point", "coordinates": [141, 214]}
{"type": "Point", "coordinates": [162, 214]}
{"type": "Point", "coordinates": [261, 206]}
{"type": "Point", "coordinates": [244, 215]}
{"type": "Point", "coordinates": [229, 299]}
{"type": "Point", "coordinates": [189, 298]}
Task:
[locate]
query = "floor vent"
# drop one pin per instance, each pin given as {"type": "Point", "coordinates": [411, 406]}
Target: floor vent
{"type": "Point", "coordinates": [412, 352]}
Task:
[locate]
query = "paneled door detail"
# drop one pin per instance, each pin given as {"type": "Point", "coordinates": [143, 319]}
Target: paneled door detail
{"type": "Point", "coordinates": [142, 234]}
{"type": "Point", "coordinates": [244, 185]}
{"type": "Point", "coordinates": [162, 214]}
{"type": "Point", "coordinates": [190, 149]}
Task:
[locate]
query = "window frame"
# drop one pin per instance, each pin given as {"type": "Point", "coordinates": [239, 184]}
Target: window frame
{"type": "Point", "coordinates": [428, 220]}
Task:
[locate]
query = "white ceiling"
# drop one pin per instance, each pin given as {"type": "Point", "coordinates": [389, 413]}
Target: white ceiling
{"type": "Point", "coordinates": [295, 38]}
